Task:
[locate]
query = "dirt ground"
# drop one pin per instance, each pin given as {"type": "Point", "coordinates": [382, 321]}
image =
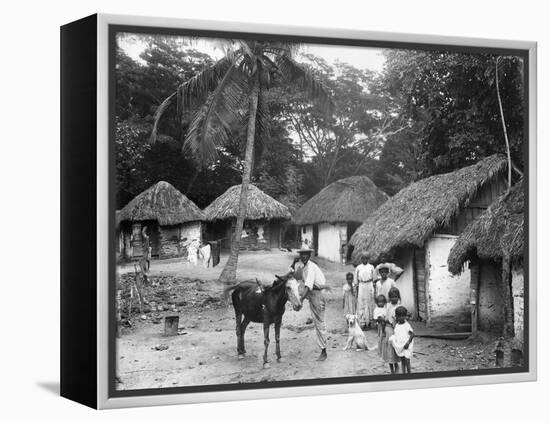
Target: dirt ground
{"type": "Point", "coordinates": [205, 350]}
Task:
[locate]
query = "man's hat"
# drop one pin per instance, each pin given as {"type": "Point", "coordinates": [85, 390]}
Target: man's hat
{"type": "Point", "coordinates": [305, 251]}
{"type": "Point", "coordinates": [386, 266]}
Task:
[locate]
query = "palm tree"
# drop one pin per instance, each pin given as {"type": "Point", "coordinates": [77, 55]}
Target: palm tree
{"type": "Point", "coordinates": [234, 91]}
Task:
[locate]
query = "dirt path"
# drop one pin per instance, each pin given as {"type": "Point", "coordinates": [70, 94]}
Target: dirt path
{"type": "Point", "coordinates": [205, 353]}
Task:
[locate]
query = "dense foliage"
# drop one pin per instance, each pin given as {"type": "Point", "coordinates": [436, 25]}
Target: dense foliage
{"type": "Point", "coordinates": [425, 113]}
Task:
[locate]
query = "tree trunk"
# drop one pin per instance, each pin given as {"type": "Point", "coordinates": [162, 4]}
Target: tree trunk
{"type": "Point", "coordinates": [507, 302]}
{"type": "Point", "coordinates": [229, 273]}
{"type": "Point", "coordinates": [504, 127]}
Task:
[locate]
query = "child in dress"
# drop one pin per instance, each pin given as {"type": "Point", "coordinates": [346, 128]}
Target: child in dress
{"type": "Point", "coordinates": [387, 352]}
{"type": "Point", "coordinates": [379, 315]}
{"type": "Point", "coordinates": [402, 339]}
{"type": "Point", "coordinates": [349, 301]}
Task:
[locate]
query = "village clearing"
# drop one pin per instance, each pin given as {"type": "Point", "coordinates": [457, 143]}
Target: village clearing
{"type": "Point", "coordinates": [204, 351]}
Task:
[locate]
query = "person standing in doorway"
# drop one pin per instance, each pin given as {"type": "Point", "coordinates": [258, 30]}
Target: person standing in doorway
{"type": "Point", "coordinates": [364, 277]}
{"type": "Point", "coordinates": [315, 283]}
{"type": "Point", "coordinates": [146, 249]}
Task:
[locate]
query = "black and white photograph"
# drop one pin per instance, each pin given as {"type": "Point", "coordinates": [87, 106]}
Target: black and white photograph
{"type": "Point", "coordinates": [296, 211]}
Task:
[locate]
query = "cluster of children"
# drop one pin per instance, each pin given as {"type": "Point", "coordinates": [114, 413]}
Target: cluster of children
{"type": "Point", "coordinates": [395, 334]}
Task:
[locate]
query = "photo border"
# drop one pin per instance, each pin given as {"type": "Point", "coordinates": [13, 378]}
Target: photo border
{"type": "Point", "coordinates": [108, 396]}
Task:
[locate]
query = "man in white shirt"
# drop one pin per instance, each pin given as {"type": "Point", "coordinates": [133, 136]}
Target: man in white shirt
{"type": "Point", "coordinates": [314, 282]}
{"type": "Point", "coordinates": [364, 281]}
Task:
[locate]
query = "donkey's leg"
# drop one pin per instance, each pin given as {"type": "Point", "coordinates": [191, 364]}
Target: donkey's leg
{"type": "Point", "coordinates": [266, 342]}
{"type": "Point", "coordinates": [238, 318]}
{"type": "Point", "coordinates": [277, 340]}
{"type": "Point", "coordinates": [244, 325]}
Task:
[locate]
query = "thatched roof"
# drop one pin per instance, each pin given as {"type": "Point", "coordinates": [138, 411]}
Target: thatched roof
{"type": "Point", "coordinates": [417, 211]}
{"type": "Point", "coordinates": [497, 232]}
{"type": "Point", "coordinates": [260, 205]}
{"type": "Point", "coordinates": [347, 200]}
{"type": "Point", "coordinates": [163, 203]}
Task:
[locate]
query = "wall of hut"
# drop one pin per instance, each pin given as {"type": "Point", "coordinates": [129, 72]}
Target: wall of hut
{"type": "Point", "coordinates": [165, 241]}
{"type": "Point", "coordinates": [518, 301]}
{"type": "Point", "coordinates": [331, 238]}
{"type": "Point", "coordinates": [174, 238]}
{"type": "Point", "coordinates": [257, 235]}
{"type": "Point", "coordinates": [448, 294]}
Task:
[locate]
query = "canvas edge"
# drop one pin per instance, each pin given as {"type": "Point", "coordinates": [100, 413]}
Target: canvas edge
{"type": "Point", "coordinates": [103, 400]}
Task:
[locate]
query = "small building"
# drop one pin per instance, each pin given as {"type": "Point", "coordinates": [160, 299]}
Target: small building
{"type": "Point", "coordinates": [329, 219]}
{"type": "Point", "coordinates": [417, 228]}
{"type": "Point", "coordinates": [170, 218]}
{"type": "Point", "coordinates": [491, 248]}
{"type": "Point", "coordinates": [262, 225]}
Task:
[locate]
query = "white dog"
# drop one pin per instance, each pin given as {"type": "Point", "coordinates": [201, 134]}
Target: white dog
{"type": "Point", "coordinates": [355, 334]}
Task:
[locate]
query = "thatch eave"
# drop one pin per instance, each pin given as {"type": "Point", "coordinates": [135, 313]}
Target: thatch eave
{"type": "Point", "coordinates": [260, 206]}
{"type": "Point", "coordinates": [415, 213]}
{"type": "Point", "coordinates": [499, 231]}
{"type": "Point", "coordinates": [163, 203]}
{"type": "Point", "coordinates": [348, 200]}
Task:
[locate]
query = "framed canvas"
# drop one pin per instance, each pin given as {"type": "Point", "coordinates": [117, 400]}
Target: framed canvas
{"type": "Point", "coordinates": [253, 211]}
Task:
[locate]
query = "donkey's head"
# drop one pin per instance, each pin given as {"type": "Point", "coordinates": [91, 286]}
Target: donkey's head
{"type": "Point", "coordinates": [292, 288]}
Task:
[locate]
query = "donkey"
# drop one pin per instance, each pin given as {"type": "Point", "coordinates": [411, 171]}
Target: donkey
{"type": "Point", "coordinates": [254, 303]}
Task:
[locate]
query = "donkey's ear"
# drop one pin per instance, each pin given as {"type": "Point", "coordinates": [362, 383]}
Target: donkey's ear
{"type": "Point", "coordinates": [279, 278]}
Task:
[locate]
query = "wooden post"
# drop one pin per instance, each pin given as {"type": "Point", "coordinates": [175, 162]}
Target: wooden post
{"type": "Point", "coordinates": [475, 276]}
{"type": "Point", "coordinates": [118, 313]}
{"type": "Point", "coordinates": [506, 292]}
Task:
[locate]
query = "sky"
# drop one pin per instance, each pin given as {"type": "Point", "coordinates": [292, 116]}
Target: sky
{"type": "Point", "coordinates": [360, 57]}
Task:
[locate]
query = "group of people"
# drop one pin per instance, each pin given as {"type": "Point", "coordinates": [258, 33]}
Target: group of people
{"type": "Point", "coordinates": [376, 301]}
{"type": "Point", "coordinates": [373, 296]}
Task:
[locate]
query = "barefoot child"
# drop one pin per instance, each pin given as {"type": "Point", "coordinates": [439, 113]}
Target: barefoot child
{"type": "Point", "coordinates": [387, 352]}
{"type": "Point", "coordinates": [402, 339]}
{"type": "Point", "coordinates": [349, 301]}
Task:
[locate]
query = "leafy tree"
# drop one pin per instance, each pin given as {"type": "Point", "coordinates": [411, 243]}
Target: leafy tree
{"type": "Point", "coordinates": [452, 100]}
{"type": "Point", "coordinates": [233, 90]}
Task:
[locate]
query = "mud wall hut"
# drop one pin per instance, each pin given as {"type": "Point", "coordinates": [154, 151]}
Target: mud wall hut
{"type": "Point", "coordinates": [262, 225]}
{"type": "Point", "coordinates": [417, 228]}
{"type": "Point", "coordinates": [170, 220]}
{"type": "Point", "coordinates": [329, 219]}
{"type": "Point", "coordinates": [491, 247]}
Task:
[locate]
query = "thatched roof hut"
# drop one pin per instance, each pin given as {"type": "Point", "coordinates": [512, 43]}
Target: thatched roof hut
{"type": "Point", "coordinates": [263, 220]}
{"type": "Point", "coordinates": [162, 203]}
{"type": "Point", "coordinates": [494, 234]}
{"type": "Point", "coordinates": [165, 215]}
{"type": "Point", "coordinates": [347, 200]}
{"type": "Point", "coordinates": [417, 211]}
{"type": "Point", "coordinates": [260, 206]}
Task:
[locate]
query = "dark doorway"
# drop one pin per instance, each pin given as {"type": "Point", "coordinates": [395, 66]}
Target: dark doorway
{"type": "Point", "coordinates": [316, 238]}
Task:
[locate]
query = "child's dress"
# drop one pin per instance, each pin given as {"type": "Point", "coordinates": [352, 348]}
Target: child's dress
{"type": "Point", "coordinates": [387, 352]}
{"type": "Point", "coordinates": [349, 300]}
{"type": "Point", "coordinates": [379, 312]}
{"type": "Point", "coordinates": [400, 337]}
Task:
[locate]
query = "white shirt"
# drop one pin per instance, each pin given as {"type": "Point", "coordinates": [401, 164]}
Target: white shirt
{"type": "Point", "coordinates": [364, 273]}
{"type": "Point", "coordinates": [383, 288]}
{"type": "Point", "coordinates": [312, 275]}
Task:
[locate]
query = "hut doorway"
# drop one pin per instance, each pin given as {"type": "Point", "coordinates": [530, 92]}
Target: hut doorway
{"type": "Point", "coordinates": [275, 235]}
{"type": "Point", "coordinates": [154, 238]}
{"type": "Point", "coordinates": [315, 238]}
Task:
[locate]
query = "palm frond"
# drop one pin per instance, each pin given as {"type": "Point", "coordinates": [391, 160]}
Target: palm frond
{"type": "Point", "coordinates": [211, 126]}
{"type": "Point", "coordinates": [195, 88]}
{"type": "Point", "coordinates": [307, 80]}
